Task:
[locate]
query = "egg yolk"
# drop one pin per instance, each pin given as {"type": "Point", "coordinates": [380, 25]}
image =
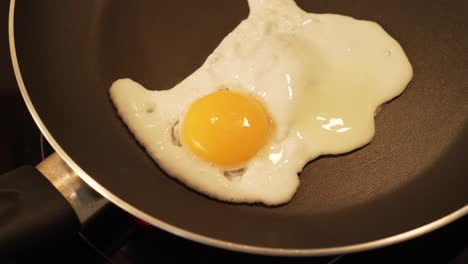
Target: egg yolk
{"type": "Point", "coordinates": [225, 128]}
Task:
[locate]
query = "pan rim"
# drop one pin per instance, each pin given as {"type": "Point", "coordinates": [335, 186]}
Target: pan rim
{"type": "Point", "coordinates": [271, 251]}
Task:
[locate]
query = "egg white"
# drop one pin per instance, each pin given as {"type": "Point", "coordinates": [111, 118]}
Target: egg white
{"type": "Point", "coordinates": [320, 76]}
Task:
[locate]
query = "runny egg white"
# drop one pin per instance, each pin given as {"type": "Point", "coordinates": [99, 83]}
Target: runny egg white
{"type": "Point", "coordinates": [284, 87]}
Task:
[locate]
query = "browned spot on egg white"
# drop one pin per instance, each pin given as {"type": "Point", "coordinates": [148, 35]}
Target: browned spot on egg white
{"type": "Point", "coordinates": [234, 174]}
{"type": "Point", "coordinates": [175, 134]}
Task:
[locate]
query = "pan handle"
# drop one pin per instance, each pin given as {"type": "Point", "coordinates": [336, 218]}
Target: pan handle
{"type": "Point", "coordinates": [42, 206]}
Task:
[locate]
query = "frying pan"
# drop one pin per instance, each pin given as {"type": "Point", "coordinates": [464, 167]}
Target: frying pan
{"type": "Point", "coordinates": [410, 180]}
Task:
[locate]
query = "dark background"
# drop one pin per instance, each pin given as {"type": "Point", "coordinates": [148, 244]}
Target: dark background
{"type": "Point", "coordinates": [116, 237]}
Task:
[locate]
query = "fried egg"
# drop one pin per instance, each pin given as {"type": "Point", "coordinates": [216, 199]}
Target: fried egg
{"type": "Point", "coordinates": [284, 87]}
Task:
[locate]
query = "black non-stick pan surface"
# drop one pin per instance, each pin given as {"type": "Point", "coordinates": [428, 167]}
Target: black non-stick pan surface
{"type": "Point", "coordinates": [411, 179]}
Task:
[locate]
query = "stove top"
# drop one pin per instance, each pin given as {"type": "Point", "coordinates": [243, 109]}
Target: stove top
{"type": "Point", "coordinates": [116, 237]}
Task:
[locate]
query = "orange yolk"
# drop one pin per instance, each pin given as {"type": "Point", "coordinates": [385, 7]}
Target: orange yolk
{"type": "Point", "coordinates": [225, 128]}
